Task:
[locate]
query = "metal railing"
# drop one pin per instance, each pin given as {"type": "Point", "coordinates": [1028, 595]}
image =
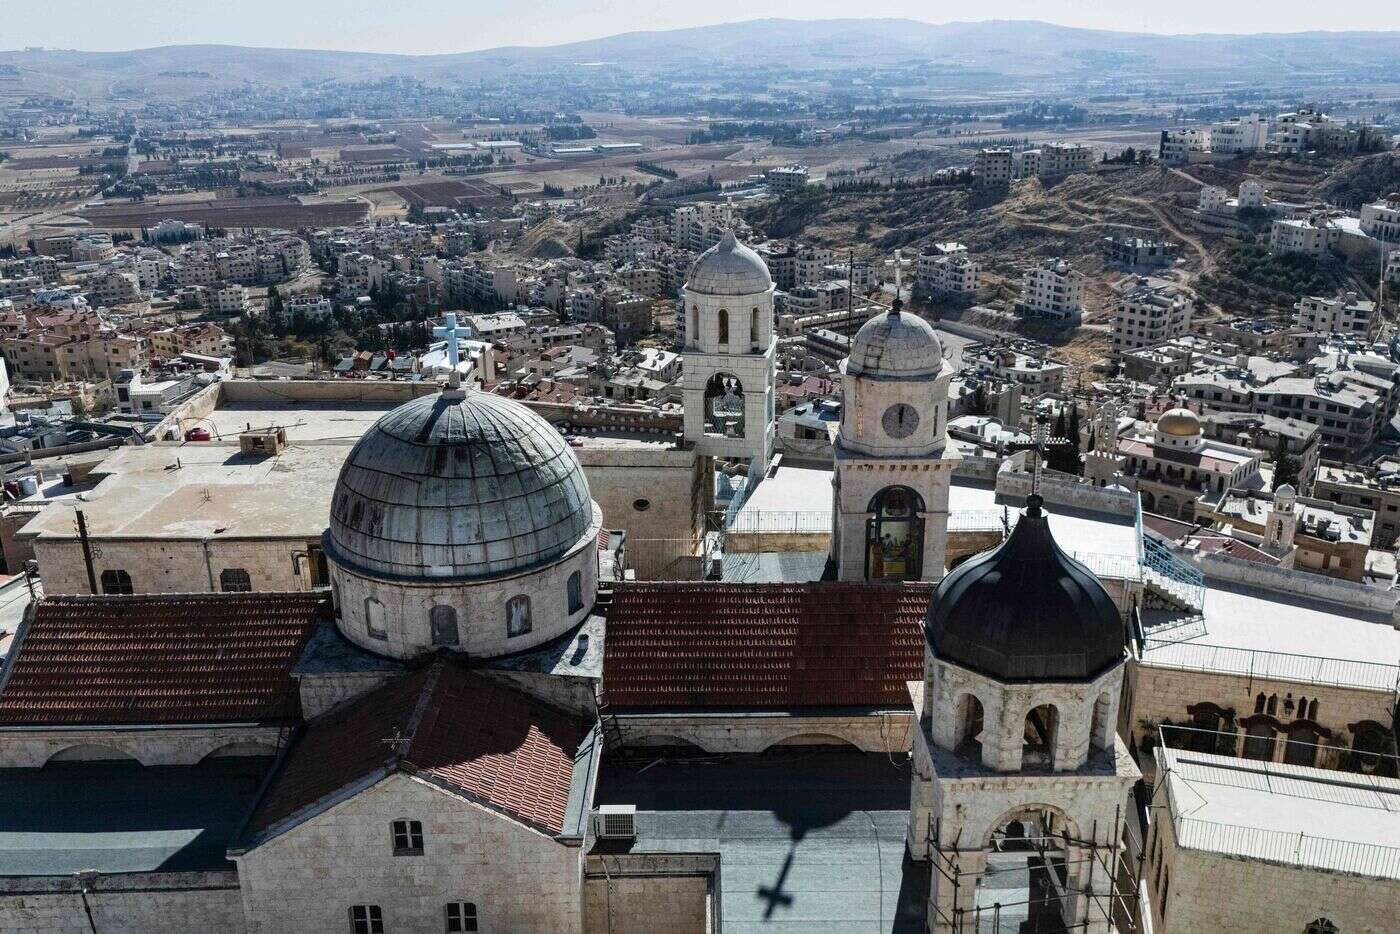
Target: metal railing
{"type": "Point", "coordinates": [1178, 578]}
{"type": "Point", "coordinates": [1279, 846]}
{"type": "Point", "coordinates": [777, 521]}
{"type": "Point", "coordinates": [1281, 666]}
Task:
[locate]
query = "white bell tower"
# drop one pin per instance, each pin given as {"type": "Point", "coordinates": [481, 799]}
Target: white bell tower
{"type": "Point", "coordinates": [729, 354]}
{"type": "Point", "coordinates": [892, 460]}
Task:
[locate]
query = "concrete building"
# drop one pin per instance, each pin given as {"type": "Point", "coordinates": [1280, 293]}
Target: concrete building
{"type": "Point", "coordinates": [1381, 219]}
{"type": "Point", "coordinates": [1137, 252]}
{"type": "Point", "coordinates": [1375, 489]}
{"type": "Point", "coordinates": [992, 168]}
{"type": "Point", "coordinates": [1147, 312]}
{"type": "Point", "coordinates": [947, 269]}
{"type": "Point", "coordinates": [1313, 236]}
{"type": "Point", "coordinates": [1053, 290]}
{"type": "Point", "coordinates": [786, 178]}
{"type": "Point", "coordinates": [1345, 314]}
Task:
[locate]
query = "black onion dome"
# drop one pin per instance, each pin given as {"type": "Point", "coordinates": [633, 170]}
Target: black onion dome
{"type": "Point", "coordinates": [1026, 611]}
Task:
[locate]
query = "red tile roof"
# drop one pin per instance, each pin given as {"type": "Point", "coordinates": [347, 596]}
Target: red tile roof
{"type": "Point", "coordinates": [160, 658]}
{"type": "Point", "coordinates": [490, 743]}
{"type": "Point", "coordinates": [763, 646]}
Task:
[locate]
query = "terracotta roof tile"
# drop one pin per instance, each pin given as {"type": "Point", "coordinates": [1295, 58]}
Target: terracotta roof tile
{"type": "Point", "coordinates": [156, 658]}
{"type": "Point", "coordinates": [490, 743]}
{"type": "Point", "coordinates": [763, 645]}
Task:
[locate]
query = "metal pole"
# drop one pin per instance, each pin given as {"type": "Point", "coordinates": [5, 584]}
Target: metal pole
{"type": "Point", "coordinates": [87, 551]}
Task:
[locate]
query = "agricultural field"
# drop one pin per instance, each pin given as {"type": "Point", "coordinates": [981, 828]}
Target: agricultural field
{"type": "Point", "coordinates": [232, 213]}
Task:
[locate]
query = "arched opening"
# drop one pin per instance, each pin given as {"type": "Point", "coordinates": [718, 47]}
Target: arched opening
{"type": "Point", "coordinates": [666, 745]}
{"type": "Point", "coordinates": [692, 331]}
{"type": "Point", "coordinates": [1259, 703]}
{"type": "Point", "coordinates": [1301, 746]}
{"type": "Point", "coordinates": [723, 319]}
{"type": "Point", "coordinates": [1312, 710]}
{"type": "Point", "coordinates": [894, 540]}
{"type": "Point", "coordinates": [1149, 502]}
{"type": "Point", "coordinates": [1259, 741]}
{"type": "Point", "coordinates": [753, 331]}
{"type": "Point", "coordinates": [1372, 750]}
{"type": "Point", "coordinates": [814, 739]}
{"type": "Point", "coordinates": [91, 752]}
{"type": "Point", "coordinates": [1102, 730]}
{"type": "Point", "coordinates": [116, 581]}
{"type": "Point", "coordinates": [1212, 729]}
{"type": "Point", "coordinates": [1321, 926]}
{"type": "Point", "coordinates": [374, 619]}
{"type": "Point", "coordinates": [235, 580]}
{"type": "Point", "coordinates": [1271, 707]}
{"type": "Point", "coordinates": [442, 620]}
{"type": "Point", "coordinates": [518, 621]}
{"type": "Point", "coordinates": [251, 749]}
{"type": "Point", "coordinates": [1027, 869]}
{"type": "Point", "coordinates": [1188, 510]}
{"type": "Point", "coordinates": [724, 406]}
{"type": "Point", "coordinates": [967, 742]}
{"type": "Point", "coordinates": [575, 588]}
{"type": "Point", "coordinates": [1038, 738]}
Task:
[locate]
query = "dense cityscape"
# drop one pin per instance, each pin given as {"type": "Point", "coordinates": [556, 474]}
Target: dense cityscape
{"type": "Point", "coordinates": [788, 475]}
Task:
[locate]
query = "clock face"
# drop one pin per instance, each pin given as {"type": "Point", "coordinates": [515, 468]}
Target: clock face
{"type": "Point", "coordinates": [900, 420]}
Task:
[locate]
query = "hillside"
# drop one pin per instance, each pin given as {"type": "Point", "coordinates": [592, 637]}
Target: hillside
{"type": "Point", "coordinates": [1012, 48]}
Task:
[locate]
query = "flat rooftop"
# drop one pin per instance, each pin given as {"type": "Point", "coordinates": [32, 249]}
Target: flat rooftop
{"type": "Point", "coordinates": [810, 839]}
{"type": "Point", "coordinates": [1292, 814]}
{"type": "Point", "coordinates": [303, 420]}
{"type": "Point", "coordinates": [122, 817]}
{"type": "Point", "coordinates": [1271, 634]}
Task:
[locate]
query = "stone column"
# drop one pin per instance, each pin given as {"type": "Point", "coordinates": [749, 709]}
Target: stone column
{"type": "Point", "coordinates": [953, 891]}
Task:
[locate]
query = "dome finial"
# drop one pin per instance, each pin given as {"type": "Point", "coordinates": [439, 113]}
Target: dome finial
{"type": "Point", "coordinates": [728, 241]}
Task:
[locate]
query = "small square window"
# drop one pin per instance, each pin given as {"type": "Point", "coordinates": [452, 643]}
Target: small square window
{"type": "Point", "coordinates": [408, 838]}
{"type": "Point", "coordinates": [461, 917]}
{"type": "Point", "coordinates": [366, 919]}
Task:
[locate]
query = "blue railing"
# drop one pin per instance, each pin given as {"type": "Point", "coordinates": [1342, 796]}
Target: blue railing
{"type": "Point", "coordinates": [1179, 578]}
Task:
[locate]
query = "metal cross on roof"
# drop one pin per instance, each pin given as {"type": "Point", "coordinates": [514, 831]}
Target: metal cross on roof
{"type": "Point", "coordinates": [449, 331]}
{"type": "Point", "coordinates": [1041, 446]}
{"type": "Point", "coordinates": [398, 742]}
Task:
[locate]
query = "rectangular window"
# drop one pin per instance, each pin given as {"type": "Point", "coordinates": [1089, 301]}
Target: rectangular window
{"type": "Point", "coordinates": [408, 838]}
{"type": "Point", "coordinates": [461, 917]}
{"type": "Point", "coordinates": [366, 919]}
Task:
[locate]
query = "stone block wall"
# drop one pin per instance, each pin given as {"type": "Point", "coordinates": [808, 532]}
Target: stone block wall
{"type": "Point", "coordinates": [308, 878]}
{"type": "Point", "coordinates": [175, 746]}
{"type": "Point", "coordinates": [133, 903]}
{"type": "Point", "coordinates": [882, 731]}
{"type": "Point", "coordinates": [174, 566]}
{"type": "Point", "coordinates": [650, 894]}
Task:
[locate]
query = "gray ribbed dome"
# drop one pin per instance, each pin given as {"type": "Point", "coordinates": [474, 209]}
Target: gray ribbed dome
{"type": "Point", "coordinates": [729, 268]}
{"type": "Point", "coordinates": [448, 486]}
{"type": "Point", "coordinates": [895, 345]}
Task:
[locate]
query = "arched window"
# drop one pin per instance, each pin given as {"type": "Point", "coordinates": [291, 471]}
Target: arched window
{"type": "Point", "coordinates": [723, 327]}
{"type": "Point", "coordinates": [115, 580]}
{"type": "Point", "coordinates": [518, 616]}
{"type": "Point", "coordinates": [1259, 741]}
{"type": "Point", "coordinates": [753, 330]}
{"type": "Point", "coordinates": [894, 539]}
{"type": "Point", "coordinates": [1302, 707]}
{"type": "Point", "coordinates": [1372, 749]}
{"type": "Point", "coordinates": [1038, 743]}
{"type": "Point", "coordinates": [1301, 746]}
{"type": "Point", "coordinates": [374, 619]}
{"type": "Point", "coordinates": [235, 580]}
{"type": "Point", "coordinates": [1321, 926]}
{"type": "Point", "coordinates": [724, 406]}
{"type": "Point", "coordinates": [693, 329]}
{"type": "Point", "coordinates": [1272, 707]}
{"type": "Point", "coordinates": [1259, 702]}
{"type": "Point", "coordinates": [461, 917]}
{"type": "Point", "coordinates": [443, 621]}
{"type": "Point", "coordinates": [969, 737]}
{"type": "Point", "coordinates": [575, 592]}
{"type": "Point", "coordinates": [1312, 710]}
{"type": "Point", "coordinates": [1102, 730]}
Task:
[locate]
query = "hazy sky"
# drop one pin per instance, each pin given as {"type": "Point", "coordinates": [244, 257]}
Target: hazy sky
{"type": "Point", "coordinates": [465, 25]}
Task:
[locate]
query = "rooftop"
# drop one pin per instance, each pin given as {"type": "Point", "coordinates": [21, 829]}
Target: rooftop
{"type": "Point", "coordinates": [1291, 814]}
{"type": "Point", "coordinates": [189, 658]}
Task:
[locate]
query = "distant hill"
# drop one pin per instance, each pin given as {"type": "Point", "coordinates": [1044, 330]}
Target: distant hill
{"type": "Point", "coordinates": [1013, 48]}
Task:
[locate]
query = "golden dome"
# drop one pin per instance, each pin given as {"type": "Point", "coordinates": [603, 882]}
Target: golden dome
{"type": "Point", "coordinates": [1179, 423]}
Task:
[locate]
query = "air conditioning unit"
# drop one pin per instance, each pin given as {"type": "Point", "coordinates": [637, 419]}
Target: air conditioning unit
{"type": "Point", "coordinates": [615, 822]}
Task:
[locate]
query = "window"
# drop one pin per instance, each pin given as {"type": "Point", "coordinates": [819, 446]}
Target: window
{"type": "Point", "coordinates": [443, 621]}
{"type": "Point", "coordinates": [366, 919]}
{"type": "Point", "coordinates": [575, 592]}
{"type": "Point", "coordinates": [116, 581]}
{"type": "Point", "coordinates": [374, 619]}
{"type": "Point", "coordinates": [894, 535]}
{"type": "Point", "coordinates": [235, 580]}
{"type": "Point", "coordinates": [408, 837]}
{"type": "Point", "coordinates": [723, 327]}
{"type": "Point", "coordinates": [1259, 742]}
{"type": "Point", "coordinates": [1321, 926]}
{"type": "Point", "coordinates": [461, 916]}
{"type": "Point", "coordinates": [641, 505]}
{"type": "Point", "coordinates": [518, 616]}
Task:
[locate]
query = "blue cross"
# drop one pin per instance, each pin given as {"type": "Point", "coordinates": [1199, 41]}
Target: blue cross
{"type": "Point", "coordinates": [449, 332]}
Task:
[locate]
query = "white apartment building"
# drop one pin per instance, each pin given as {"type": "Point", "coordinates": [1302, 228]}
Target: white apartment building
{"type": "Point", "coordinates": [1312, 236]}
{"type": "Point", "coordinates": [228, 298]}
{"type": "Point", "coordinates": [699, 226]}
{"type": "Point", "coordinates": [1392, 268]}
{"type": "Point", "coordinates": [1146, 312]}
{"type": "Point", "coordinates": [947, 269]}
{"type": "Point", "coordinates": [1253, 194]}
{"type": "Point", "coordinates": [786, 177]}
{"type": "Point", "coordinates": [1382, 219]}
{"type": "Point", "coordinates": [311, 307]}
{"type": "Point", "coordinates": [1203, 143]}
{"type": "Point", "coordinates": [1345, 314]}
{"type": "Point", "coordinates": [1053, 290]}
{"type": "Point", "coordinates": [993, 168]}
{"type": "Point", "coordinates": [1063, 159]}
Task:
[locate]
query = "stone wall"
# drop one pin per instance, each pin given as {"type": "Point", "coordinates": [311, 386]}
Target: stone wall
{"type": "Point", "coordinates": [1335, 590]}
{"type": "Point", "coordinates": [308, 878]}
{"type": "Point", "coordinates": [881, 731]}
{"type": "Point", "coordinates": [131, 903]}
{"type": "Point", "coordinates": [659, 496]}
{"type": "Point", "coordinates": [173, 746]}
{"type": "Point", "coordinates": [650, 894]}
{"type": "Point", "coordinates": [159, 565]}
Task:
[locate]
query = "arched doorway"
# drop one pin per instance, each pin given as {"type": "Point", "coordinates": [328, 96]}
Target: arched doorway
{"type": "Point", "coordinates": [1039, 737]}
{"type": "Point", "coordinates": [894, 539]}
{"type": "Point", "coordinates": [724, 406]}
{"type": "Point", "coordinates": [1027, 870]}
{"type": "Point", "coordinates": [970, 723]}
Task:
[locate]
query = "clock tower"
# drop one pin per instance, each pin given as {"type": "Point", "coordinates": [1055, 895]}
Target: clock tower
{"type": "Point", "coordinates": [893, 464]}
